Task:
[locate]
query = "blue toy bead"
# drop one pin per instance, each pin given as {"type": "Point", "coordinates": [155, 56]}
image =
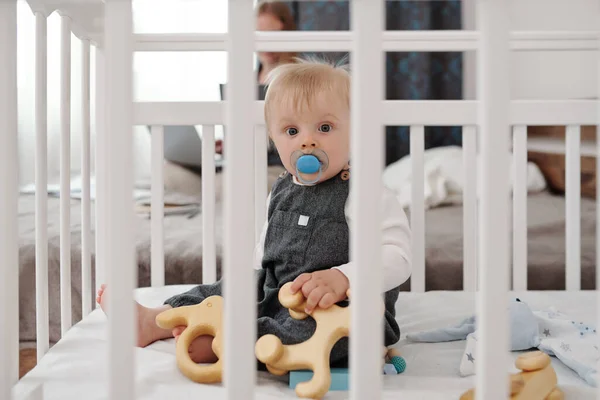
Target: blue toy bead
{"type": "Point", "coordinates": [399, 363]}
{"type": "Point", "coordinates": [308, 164]}
{"type": "Point", "coordinates": [389, 369]}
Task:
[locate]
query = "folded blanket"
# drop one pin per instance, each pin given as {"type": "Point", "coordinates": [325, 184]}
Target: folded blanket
{"type": "Point", "coordinates": [574, 343]}
{"type": "Point", "coordinates": [443, 171]}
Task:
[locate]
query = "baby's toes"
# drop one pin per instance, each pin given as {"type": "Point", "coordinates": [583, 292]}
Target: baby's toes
{"type": "Point", "coordinates": [177, 331]}
{"type": "Point", "coordinates": [198, 351]}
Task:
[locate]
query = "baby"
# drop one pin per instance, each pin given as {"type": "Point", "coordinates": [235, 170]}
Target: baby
{"type": "Point", "coordinates": [306, 237]}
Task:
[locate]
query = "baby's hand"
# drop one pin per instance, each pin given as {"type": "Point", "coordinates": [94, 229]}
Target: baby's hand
{"type": "Point", "coordinates": [321, 288]}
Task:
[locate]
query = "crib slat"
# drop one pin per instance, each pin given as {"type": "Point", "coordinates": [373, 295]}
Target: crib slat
{"type": "Point", "coordinates": [239, 288]}
{"type": "Point", "coordinates": [519, 208]}
{"type": "Point", "coordinates": [100, 168]}
{"type": "Point", "coordinates": [86, 214]}
{"type": "Point", "coordinates": [9, 167]}
{"type": "Point", "coordinates": [65, 174]}
{"type": "Point", "coordinates": [41, 184]}
{"type": "Point", "coordinates": [209, 255]}
{"type": "Point", "coordinates": [494, 95]}
{"type": "Point", "coordinates": [470, 208]}
{"type": "Point", "coordinates": [261, 179]}
{"type": "Point", "coordinates": [573, 204]}
{"type": "Point", "coordinates": [365, 191]}
{"type": "Point", "coordinates": [598, 236]}
{"type": "Point", "coordinates": [120, 259]}
{"type": "Point", "coordinates": [157, 208]}
{"type": "Point", "coordinates": [417, 208]}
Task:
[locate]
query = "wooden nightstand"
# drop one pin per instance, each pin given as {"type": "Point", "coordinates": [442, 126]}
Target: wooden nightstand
{"type": "Point", "coordinates": [546, 147]}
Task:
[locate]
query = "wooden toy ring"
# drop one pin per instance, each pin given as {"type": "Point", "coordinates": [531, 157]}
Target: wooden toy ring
{"type": "Point", "coordinates": [200, 319]}
{"type": "Point", "coordinates": [333, 324]}
{"type": "Point", "coordinates": [532, 361]}
{"type": "Point", "coordinates": [537, 381]}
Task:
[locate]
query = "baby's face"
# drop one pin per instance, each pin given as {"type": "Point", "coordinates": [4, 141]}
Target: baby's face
{"type": "Point", "coordinates": [323, 129]}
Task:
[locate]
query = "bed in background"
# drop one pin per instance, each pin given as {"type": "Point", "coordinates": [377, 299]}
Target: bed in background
{"type": "Point", "coordinates": [183, 249]}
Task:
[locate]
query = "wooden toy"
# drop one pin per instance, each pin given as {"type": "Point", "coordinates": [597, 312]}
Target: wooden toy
{"type": "Point", "coordinates": [332, 324]}
{"type": "Point", "coordinates": [200, 319]}
{"type": "Point", "coordinates": [537, 381]}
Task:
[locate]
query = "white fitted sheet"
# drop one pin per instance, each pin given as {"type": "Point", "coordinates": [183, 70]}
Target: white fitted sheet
{"type": "Point", "coordinates": [75, 368]}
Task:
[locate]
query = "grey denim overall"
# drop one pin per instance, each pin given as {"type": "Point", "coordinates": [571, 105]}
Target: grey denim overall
{"type": "Point", "coordinates": [307, 232]}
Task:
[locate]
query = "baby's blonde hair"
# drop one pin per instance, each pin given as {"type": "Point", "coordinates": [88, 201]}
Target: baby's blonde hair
{"type": "Point", "coordinates": [296, 85]}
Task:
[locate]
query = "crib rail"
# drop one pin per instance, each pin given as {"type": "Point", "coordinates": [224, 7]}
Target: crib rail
{"type": "Point", "coordinates": [487, 124]}
{"type": "Point", "coordinates": [157, 209]}
{"type": "Point", "coordinates": [9, 277]}
{"type": "Point", "coordinates": [494, 117]}
{"type": "Point", "coordinates": [447, 40]}
{"type": "Point", "coordinates": [240, 294]}
{"type": "Point", "coordinates": [86, 212]}
{"type": "Point", "coordinates": [209, 254]}
{"type": "Point", "coordinates": [41, 182]}
{"type": "Point", "coordinates": [120, 260]}
{"type": "Point", "coordinates": [365, 191]}
{"type": "Point", "coordinates": [65, 174]}
{"type": "Point", "coordinates": [394, 112]}
{"type": "Point", "coordinates": [519, 204]}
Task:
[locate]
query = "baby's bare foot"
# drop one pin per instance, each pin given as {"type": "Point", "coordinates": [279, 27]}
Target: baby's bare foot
{"type": "Point", "coordinates": [200, 349]}
{"type": "Point", "coordinates": [148, 331]}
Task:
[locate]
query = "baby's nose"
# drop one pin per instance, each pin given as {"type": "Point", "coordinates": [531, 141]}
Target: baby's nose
{"type": "Point", "coordinates": [309, 144]}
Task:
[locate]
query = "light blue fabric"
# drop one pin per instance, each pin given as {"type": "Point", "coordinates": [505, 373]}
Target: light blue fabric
{"type": "Point", "coordinates": [572, 342]}
{"type": "Point", "coordinates": [523, 323]}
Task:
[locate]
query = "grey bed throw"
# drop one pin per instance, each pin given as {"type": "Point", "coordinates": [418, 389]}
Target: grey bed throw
{"type": "Point", "coordinates": [546, 250]}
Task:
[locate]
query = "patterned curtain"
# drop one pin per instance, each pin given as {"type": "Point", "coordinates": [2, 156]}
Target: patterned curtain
{"type": "Point", "coordinates": [409, 76]}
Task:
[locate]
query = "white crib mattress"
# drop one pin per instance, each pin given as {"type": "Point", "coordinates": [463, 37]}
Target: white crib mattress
{"type": "Point", "coordinates": [75, 367]}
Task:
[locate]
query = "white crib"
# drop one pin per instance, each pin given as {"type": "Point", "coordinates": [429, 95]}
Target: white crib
{"type": "Point", "coordinates": [487, 123]}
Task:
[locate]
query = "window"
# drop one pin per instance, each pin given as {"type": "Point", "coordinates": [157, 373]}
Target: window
{"type": "Point", "coordinates": [179, 76]}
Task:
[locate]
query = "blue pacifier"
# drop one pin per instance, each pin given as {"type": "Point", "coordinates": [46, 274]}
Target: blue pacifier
{"type": "Point", "coordinates": [308, 164]}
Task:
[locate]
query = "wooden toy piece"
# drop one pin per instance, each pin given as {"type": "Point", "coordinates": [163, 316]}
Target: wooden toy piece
{"type": "Point", "coordinates": [537, 381]}
{"type": "Point", "coordinates": [200, 319]}
{"type": "Point", "coordinates": [556, 394]}
{"type": "Point", "coordinates": [332, 325]}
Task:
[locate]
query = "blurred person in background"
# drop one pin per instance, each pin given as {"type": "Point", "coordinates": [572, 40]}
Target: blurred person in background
{"type": "Point", "coordinates": [273, 16]}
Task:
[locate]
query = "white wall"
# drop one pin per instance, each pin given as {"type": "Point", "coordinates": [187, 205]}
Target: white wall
{"type": "Point", "coordinates": [547, 74]}
{"type": "Point", "coordinates": [555, 75]}
{"type": "Point", "coordinates": [158, 77]}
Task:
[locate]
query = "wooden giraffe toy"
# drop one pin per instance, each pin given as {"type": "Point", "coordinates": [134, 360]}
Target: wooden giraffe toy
{"type": "Point", "coordinates": [537, 381]}
{"type": "Point", "coordinates": [332, 325]}
{"type": "Point", "coordinates": [200, 319]}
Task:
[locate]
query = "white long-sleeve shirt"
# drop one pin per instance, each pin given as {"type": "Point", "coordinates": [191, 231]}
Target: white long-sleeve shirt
{"type": "Point", "coordinates": [396, 242]}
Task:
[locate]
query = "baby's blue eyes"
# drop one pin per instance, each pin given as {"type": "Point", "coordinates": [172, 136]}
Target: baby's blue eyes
{"type": "Point", "coordinates": [325, 128]}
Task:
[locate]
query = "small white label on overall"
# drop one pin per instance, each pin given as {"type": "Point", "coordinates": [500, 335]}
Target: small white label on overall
{"type": "Point", "coordinates": [303, 220]}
